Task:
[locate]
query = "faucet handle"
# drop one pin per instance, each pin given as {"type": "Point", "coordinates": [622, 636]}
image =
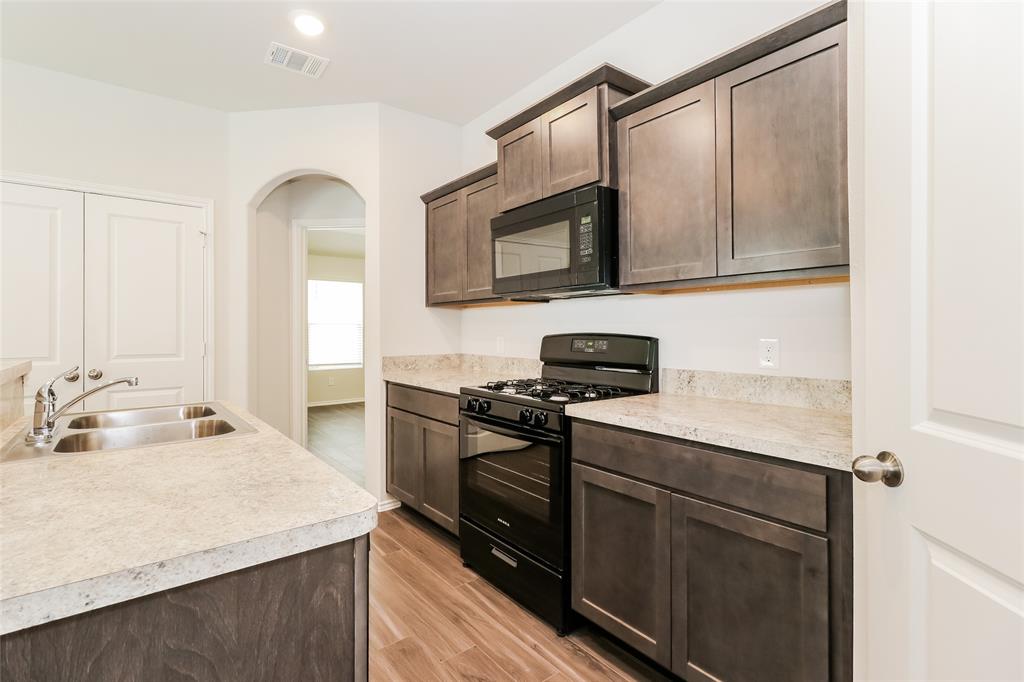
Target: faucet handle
{"type": "Point", "coordinates": [45, 391]}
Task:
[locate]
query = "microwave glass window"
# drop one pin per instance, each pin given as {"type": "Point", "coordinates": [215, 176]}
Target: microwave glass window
{"type": "Point", "coordinates": [541, 249]}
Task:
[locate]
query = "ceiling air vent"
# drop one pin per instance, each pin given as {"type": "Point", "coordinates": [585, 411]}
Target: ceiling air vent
{"type": "Point", "coordinates": [296, 60]}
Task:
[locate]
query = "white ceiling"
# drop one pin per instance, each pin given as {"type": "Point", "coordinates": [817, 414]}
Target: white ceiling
{"type": "Point", "coordinates": [348, 242]}
{"type": "Point", "coordinates": [449, 60]}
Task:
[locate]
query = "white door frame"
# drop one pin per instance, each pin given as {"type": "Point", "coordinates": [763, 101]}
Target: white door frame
{"type": "Point", "coordinates": [299, 269]}
{"type": "Point", "coordinates": [206, 205]}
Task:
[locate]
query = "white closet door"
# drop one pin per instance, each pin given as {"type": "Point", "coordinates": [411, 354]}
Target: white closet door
{"type": "Point", "coordinates": [41, 283]}
{"type": "Point", "coordinates": [144, 301]}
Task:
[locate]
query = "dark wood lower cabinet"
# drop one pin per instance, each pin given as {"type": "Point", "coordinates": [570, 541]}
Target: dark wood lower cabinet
{"type": "Point", "coordinates": [693, 557]}
{"type": "Point", "coordinates": [621, 558]}
{"type": "Point", "coordinates": [423, 453]}
{"type": "Point", "coordinates": [303, 617]}
{"type": "Point", "coordinates": [749, 598]}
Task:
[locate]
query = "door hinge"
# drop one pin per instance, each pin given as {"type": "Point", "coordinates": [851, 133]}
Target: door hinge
{"type": "Point", "coordinates": [205, 235]}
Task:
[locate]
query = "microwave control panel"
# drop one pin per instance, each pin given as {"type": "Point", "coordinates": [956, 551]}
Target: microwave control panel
{"type": "Point", "coordinates": [586, 234]}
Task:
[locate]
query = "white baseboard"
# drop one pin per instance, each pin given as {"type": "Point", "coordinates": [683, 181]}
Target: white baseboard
{"type": "Point", "coordinates": [347, 401]}
{"type": "Point", "coordinates": [388, 505]}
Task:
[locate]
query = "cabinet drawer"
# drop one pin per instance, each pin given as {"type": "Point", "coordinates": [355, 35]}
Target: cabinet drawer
{"type": "Point", "coordinates": [425, 403]}
{"type": "Point", "coordinates": [785, 493]}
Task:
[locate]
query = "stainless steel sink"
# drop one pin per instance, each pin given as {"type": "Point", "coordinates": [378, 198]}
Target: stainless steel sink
{"type": "Point", "coordinates": [139, 436]}
{"type": "Point", "coordinates": [148, 415]}
{"type": "Point", "coordinates": [101, 431]}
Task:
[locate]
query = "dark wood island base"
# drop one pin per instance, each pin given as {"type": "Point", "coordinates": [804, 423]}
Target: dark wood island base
{"type": "Point", "coordinates": [303, 617]}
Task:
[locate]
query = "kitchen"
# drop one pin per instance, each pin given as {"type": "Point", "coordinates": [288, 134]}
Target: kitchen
{"type": "Point", "coordinates": [726, 210]}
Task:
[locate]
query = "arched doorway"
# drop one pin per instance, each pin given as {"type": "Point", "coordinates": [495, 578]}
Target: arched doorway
{"type": "Point", "coordinates": [306, 278]}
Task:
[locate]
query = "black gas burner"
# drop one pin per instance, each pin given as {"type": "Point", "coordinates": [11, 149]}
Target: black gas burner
{"type": "Point", "coordinates": [555, 390]}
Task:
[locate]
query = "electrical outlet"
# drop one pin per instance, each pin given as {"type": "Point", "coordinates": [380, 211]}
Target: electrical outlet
{"type": "Point", "coordinates": [768, 353]}
{"type": "Point", "coordinates": [330, 381]}
{"type": "Point", "coordinates": [499, 345]}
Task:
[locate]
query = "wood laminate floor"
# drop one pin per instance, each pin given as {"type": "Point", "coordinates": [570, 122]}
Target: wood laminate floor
{"type": "Point", "coordinates": [335, 434]}
{"type": "Point", "coordinates": [433, 619]}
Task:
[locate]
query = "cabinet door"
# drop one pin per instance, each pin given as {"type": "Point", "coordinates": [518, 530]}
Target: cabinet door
{"type": "Point", "coordinates": [41, 271]}
{"type": "Point", "coordinates": [667, 189]}
{"type": "Point", "coordinates": [440, 501]}
{"type": "Point", "coordinates": [481, 205]}
{"type": "Point", "coordinates": [781, 125]}
{"type": "Point", "coordinates": [572, 141]}
{"type": "Point", "coordinates": [620, 558]}
{"type": "Point", "coordinates": [749, 598]}
{"type": "Point", "coordinates": [519, 166]}
{"type": "Point", "coordinates": [405, 457]}
{"type": "Point", "coordinates": [446, 254]}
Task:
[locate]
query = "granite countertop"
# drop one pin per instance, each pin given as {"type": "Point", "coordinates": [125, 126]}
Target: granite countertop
{"type": "Point", "coordinates": [12, 369]}
{"type": "Point", "coordinates": [85, 531]}
{"type": "Point", "coordinates": [794, 433]}
{"type": "Point", "coordinates": [440, 380]}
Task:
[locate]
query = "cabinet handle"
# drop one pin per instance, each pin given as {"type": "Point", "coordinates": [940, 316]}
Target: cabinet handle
{"type": "Point", "coordinates": [504, 557]}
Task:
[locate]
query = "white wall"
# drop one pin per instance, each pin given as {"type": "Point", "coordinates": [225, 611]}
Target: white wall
{"type": "Point", "coordinates": [62, 126]}
{"type": "Point", "coordinates": [713, 331]}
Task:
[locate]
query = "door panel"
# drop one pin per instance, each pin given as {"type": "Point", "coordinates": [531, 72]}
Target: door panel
{"type": "Point", "coordinates": [667, 189]}
{"type": "Point", "coordinates": [144, 296]}
{"type": "Point", "coordinates": [749, 598]}
{"type": "Point", "coordinates": [446, 253]}
{"type": "Point", "coordinates": [41, 274]}
{"type": "Point", "coordinates": [571, 142]}
{"type": "Point", "coordinates": [781, 148]}
{"type": "Point", "coordinates": [441, 473]}
{"type": "Point", "coordinates": [404, 457]}
{"type": "Point", "coordinates": [519, 166]}
{"type": "Point", "coordinates": [941, 306]}
{"type": "Point", "coordinates": [481, 205]}
{"type": "Point", "coordinates": [620, 558]}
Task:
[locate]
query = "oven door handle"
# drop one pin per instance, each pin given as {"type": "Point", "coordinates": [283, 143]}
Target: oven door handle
{"type": "Point", "coordinates": [511, 433]}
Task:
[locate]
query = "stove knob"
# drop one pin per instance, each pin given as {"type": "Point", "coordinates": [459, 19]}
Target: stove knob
{"type": "Point", "coordinates": [473, 404]}
{"type": "Point", "coordinates": [540, 419]}
{"type": "Point", "coordinates": [485, 407]}
{"type": "Point", "coordinates": [525, 415]}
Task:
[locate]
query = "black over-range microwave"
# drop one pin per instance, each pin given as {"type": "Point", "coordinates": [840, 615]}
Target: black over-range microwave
{"type": "Point", "coordinates": [559, 247]}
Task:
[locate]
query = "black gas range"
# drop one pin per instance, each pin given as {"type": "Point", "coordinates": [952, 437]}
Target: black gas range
{"type": "Point", "coordinates": [514, 462]}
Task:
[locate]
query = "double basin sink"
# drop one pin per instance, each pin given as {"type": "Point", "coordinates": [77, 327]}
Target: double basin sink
{"type": "Point", "coordinates": [119, 429]}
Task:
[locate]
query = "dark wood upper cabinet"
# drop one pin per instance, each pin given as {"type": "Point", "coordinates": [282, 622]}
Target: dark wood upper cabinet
{"type": "Point", "coordinates": [781, 149]}
{"type": "Point", "coordinates": [572, 144]}
{"type": "Point", "coordinates": [621, 558]}
{"type": "Point", "coordinates": [666, 158]}
{"type": "Point", "coordinates": [423, 453]}
{"type": "Point", "coordinates": [750, 598]}
{"type": "Point", "coordinates": [519, 166]}
{"type": "Point", "coordinates": [446, 259]}
{"type": "Point", "coordinates": [459, 238]}
{"type": "Point", "coordinates": [481, 205]}
{"type": "Point", "coordinates": [564, 141]}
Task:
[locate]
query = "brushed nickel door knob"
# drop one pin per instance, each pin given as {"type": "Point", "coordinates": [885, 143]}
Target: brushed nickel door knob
{"type": "Point", "coordinates": [72, 376]}
{"type": "Point", "coordinates": [95, 374]}
{"type": "Point", "coordinates": [885, 467]}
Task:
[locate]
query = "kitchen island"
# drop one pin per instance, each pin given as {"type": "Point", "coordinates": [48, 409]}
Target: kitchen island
{"type": "Point", "coordinates": [237, 557]}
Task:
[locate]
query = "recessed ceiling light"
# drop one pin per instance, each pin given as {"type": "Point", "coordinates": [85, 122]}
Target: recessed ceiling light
{"type": "Point", "coordinates": [307, 24]}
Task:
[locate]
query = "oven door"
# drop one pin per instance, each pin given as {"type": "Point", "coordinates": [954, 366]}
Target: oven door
{"type": "Point", "coordinates": [512, 483]}
{"type": "Point", "coordinates": [536, 253]}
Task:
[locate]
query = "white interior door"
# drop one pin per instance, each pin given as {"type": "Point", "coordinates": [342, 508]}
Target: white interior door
{"type": "Point", "coordinates": [144, 301]}
{"type": "Point", "coordinates": [943, 591]}
{"type": "Point", "coordinates": [41, 233]}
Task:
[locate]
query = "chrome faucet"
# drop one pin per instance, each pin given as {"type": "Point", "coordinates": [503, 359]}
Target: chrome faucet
{"type": "Point", "coordinates": [46, 411]}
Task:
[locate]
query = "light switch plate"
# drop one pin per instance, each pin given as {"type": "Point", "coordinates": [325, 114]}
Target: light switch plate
{"type": "Point", "coordinates": [768, 353]}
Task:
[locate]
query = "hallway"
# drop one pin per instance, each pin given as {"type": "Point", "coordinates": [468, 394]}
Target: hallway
{"type": "Point", "coordinates": [336, 436]}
